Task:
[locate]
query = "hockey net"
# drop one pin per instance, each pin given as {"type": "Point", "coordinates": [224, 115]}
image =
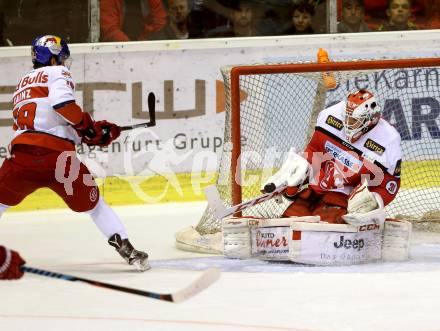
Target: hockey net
{"type": "Point", "coordinates": [273, 107]}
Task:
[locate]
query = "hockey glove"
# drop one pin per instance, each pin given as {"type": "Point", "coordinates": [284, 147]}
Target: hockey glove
{"type": "Point", "coordinates": [292, 173]}
{"type": "Point", "coordinates": [361, 200]}
{"type": "Point", "coordinates": [364, 206]}
{"type": "Point", "coordinates": [10, 263]}
{"type": "Point", "coordinates": [105, 131]}
{"type": "Point", "coordinates": [100, 133]}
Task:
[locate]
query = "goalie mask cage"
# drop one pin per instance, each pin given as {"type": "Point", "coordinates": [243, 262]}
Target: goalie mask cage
{"type": "Point", "coordinates": [273, 107]}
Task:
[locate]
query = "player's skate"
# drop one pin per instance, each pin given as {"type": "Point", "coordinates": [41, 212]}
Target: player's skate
{"type": "Point", "coordinates": [128, 253]}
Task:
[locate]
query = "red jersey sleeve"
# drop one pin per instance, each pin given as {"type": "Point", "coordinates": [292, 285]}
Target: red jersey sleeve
{"type": "Point", "coordinates": [381, 181]}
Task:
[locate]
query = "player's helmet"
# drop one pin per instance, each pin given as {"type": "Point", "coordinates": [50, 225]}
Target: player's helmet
{"type": "Point", "coordinates": [46, 47]}
{"type": "Point", "coordinates": [361, 114]}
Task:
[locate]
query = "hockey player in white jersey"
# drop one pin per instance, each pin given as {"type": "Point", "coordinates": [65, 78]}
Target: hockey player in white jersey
{"type": "Point", "coordinates": [48, 124]}
{"type": "Point", "coordinates": [351, 165]}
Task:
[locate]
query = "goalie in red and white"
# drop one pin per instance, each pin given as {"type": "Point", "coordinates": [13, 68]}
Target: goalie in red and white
{"type": "Point", "coordinates": [351, 145]}
{"type": "Point", "coordinates": [347, 173]}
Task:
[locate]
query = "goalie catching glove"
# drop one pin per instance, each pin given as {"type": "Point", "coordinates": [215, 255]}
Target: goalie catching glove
{"type": "Point", "coordinates": [364, 206]}
{"type": "Point", "coordinates": [292, 173]}
{"type": "Point", "coordinates": [99, 133]}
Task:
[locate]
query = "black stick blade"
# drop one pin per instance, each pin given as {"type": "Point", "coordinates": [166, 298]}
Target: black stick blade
{"type": "Point", "coordinates": [152, 109]}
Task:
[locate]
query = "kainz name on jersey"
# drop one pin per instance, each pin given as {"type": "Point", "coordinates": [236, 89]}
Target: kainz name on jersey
{"type": "Point", "coordinates": [374, 146]}
{"type": "Point", "coordinates": [23, 95]}
{"type": "Point", "coordinates": [334, 122]}
{"type": "Point", "coordinates": [345, 157]}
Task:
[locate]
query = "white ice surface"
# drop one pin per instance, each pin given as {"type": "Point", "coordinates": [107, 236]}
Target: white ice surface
{"type": "Point", "coordinates": [250, 295]}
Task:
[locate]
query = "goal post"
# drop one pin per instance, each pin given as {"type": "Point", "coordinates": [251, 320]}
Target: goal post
{"type": "Point", "coordinates": [273, 107]}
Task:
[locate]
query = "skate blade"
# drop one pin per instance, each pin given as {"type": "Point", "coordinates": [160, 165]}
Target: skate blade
{"type": "Point", "coordinates": [141, 266]}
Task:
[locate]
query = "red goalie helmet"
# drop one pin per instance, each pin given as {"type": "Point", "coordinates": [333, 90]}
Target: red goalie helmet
{"type": "Point", "coordinates": [361, 114]}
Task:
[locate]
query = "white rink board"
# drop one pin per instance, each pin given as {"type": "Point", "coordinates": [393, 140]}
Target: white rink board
{"type": "Point", "coordinates": [250, 295]}
{"type": "Point", "coordinates": [185, 77]}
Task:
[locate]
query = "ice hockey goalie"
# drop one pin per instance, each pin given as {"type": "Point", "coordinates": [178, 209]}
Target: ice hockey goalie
{"type": "Point", "coordinates": [338, 187]}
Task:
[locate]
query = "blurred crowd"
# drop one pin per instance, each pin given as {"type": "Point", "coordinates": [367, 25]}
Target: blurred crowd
{"type": "Point", "coordinates": [130, 20]}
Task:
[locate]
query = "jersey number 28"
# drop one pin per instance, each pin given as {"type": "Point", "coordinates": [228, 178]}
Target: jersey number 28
{"type": "Point", "coordinates": [24, 116]}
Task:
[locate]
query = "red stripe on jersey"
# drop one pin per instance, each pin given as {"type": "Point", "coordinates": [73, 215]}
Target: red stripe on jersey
{"type": "Point", "coordinates": [39, 92]}
{"type": "Point", "coordinates": [71, 112]}
{"type": "Point", "coordinates": [44, 140]}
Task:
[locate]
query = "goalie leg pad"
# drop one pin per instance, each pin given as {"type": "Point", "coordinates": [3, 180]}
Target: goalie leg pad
{"type": "Point", "coordinates": [270, 240]}
{"type": "Point", "coordinates": [271, 243]}
{"type": "Point", "coordinates": [396, 240]}
{"type": "Point", "coordinates": [334, 244]}
{"type": "Point", "coordinates": [236, 238]}
{"type": "Point", "coordinates": [266, 239]}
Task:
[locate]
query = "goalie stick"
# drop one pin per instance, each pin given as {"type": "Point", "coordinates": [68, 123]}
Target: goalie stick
{"type": "Point", "coordinates": [209, 277]}
{"type": "Point", "coordinates": [151, 111]}
{"type": "Point", "coordinates": [220, 211]}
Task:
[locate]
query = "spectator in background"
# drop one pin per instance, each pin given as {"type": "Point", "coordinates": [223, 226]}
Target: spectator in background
{"type": "Point", "coordinates": [181, 24]}
{"type": "Point", "coordinates": [214, 18]}
{"type": "Point", "coordinates": [399, 13]}
{"type": "Point", "coordinates": [243, 22]}
{"type": "Point", "coordinates": [302, 14]}
{"type": "Point", "coordinates": [26, 18]}
{"type": "Point", "coordinates": [432, 14]}
{"type": "Point", "coordinates": [125, 20]}
{"type": "Point", "coordinates": [319, 19]}
{"type": "Point", "coordinates": [353, 17]}
{"type": "Point", "coordinates": [213, 14]}
{"type": "Point", "coordinates": [377, 8]}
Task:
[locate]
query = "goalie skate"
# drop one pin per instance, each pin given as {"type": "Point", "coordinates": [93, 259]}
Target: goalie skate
{"type": "Point", "coordinates": [133, 257]}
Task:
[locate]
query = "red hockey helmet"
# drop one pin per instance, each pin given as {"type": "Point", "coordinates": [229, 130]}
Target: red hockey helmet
{"type": "Point", "coordinates": [361, 113]}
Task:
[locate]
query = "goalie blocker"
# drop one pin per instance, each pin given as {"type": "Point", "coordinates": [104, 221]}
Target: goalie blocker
{"type": "Point", "coordinates": [309, 241]}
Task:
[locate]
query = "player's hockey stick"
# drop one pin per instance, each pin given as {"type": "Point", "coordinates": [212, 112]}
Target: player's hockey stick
{"type": "Point", "coordinates": [204, 281]}
{"type": "Point", "coordinates": [220, 211]}
{"type": "Point", "coordinates": [151, 111]}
